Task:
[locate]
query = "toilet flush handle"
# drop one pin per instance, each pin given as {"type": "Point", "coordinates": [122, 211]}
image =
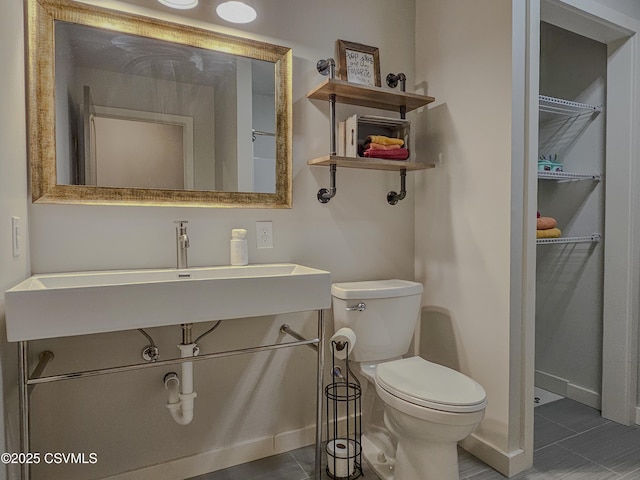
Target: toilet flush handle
{"type": "Point", "coordinates": [357, 308]}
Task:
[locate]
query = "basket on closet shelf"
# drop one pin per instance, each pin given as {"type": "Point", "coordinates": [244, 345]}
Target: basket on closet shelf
{"type": "Point", "coordinates": [549, 163]}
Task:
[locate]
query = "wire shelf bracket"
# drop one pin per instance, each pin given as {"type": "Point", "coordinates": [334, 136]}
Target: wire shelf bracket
{"type": "Point", "coordinates": [566, 107]}
{"type": "Point", "coordinates": [546, 175]}
{"type": "Point", "coordinates": [593, 238]}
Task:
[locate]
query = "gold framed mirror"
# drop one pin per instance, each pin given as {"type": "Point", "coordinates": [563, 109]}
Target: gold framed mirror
{"type": "Point", "coordinates": [91, 67]}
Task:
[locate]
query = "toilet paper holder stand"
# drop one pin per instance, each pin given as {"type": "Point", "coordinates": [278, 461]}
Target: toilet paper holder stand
{"type": "Point", "coordinates": [344, 418]}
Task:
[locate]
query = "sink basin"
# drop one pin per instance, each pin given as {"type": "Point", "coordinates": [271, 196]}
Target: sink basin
{"type": "Point", "coordinates": [78, 303]}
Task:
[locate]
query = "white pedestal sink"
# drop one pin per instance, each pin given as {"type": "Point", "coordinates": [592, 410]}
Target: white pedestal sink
{"type": "Point", "coordinates": [66, 304]}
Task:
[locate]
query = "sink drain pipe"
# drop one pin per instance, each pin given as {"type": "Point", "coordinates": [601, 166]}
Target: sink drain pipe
{"type": "Point", "coordinates": [181, 394]}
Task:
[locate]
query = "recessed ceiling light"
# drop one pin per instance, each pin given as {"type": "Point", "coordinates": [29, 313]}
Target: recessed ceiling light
{"type": "Point", "coordinates": [181, 4]}
{"type": "Point", "coordinates": [236, 12]}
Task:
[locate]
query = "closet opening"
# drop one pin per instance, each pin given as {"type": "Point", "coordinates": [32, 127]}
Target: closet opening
{"type": "Point", "coordinates": [586, 291]}
{"type": "Point", "coordinates": [571, 206]}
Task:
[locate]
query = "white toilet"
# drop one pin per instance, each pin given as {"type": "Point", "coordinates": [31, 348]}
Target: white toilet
{"type": "Point", "coordinates": [411, 426]}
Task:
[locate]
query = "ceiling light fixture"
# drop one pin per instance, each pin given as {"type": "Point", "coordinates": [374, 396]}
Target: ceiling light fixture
{"type": "Point", "coordinates": [236, 12]}
{"type": "Point", "coordinates": [181, 4]}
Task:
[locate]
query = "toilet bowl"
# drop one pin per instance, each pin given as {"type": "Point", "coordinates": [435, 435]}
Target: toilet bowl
{"type": "Point", "coordinates": [429, 409]}
{"type": "Point", "coordinates": [415, 411]}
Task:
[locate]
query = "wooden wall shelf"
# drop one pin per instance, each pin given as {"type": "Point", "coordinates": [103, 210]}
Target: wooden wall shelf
{"type": "Point", "coordinates": [339, 91]}
{"type": "Point", "coordinates": [374, 97]}
{"type": "Point", "coordinates": [369, 163]}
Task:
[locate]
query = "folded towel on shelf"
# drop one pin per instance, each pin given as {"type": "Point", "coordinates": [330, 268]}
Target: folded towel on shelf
{"type": "Point", "coordinates": [397, 154]}
{"type": "Point", "coordinates": [382, 140]}
{"type": "Point", "coordinates": [378, 146]}
{"type": "Point", "coordinates": [548, 233]}
{"type": "Point", "coordinates": [545, 223]}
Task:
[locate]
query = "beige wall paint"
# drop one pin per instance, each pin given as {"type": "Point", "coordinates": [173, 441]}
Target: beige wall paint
{"type": "Point", "coordinates": [356, 236]}
{"type": "Point", "coordinates": [463, 230]}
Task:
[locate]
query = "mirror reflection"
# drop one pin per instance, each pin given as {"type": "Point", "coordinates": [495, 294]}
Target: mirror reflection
{"type": "Point", "coordinates": [140, 112]}
{"type": "Point", "coordinates": [125, 109]}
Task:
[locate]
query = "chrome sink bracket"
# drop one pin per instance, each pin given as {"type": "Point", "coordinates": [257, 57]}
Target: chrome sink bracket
{"type": "Point", "coordinates": [392, 197]}
{"type": "Point", "coordinates": [285, 328]}
{"type": "Point", "coordinates": [25, 382]}
{"type": "Point", "coordinates": [43, 360]}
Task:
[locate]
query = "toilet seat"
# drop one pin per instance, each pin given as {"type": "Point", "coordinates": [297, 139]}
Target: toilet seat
{"type": "Point", "coordinates": [430, 385]}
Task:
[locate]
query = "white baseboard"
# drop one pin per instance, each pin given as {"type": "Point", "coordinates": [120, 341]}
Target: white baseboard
{"type": "Point", "coordinates": [564, 387]}
{"type": "Point", "coordinates": [506, 463]}
{"type": "Point", "coordinates": [225, 457]}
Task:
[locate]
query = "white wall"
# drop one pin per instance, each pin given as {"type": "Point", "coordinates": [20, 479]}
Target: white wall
{"type": "Point", "coordinates": [628, 7]}
{"type": "Point", "coordinates": [13, 201]}
{"type": "Point", "coordinates": [463, 206]}
{"type": "Point", "coordinates": [356, 236]}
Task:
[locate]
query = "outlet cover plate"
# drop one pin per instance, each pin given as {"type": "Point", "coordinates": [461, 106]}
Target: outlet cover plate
{"type": "Point", "coordinates": [264, 234]}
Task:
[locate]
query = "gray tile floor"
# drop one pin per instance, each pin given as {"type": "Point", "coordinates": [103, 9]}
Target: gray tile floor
{"type": "Point", "coordinates": [572, 442]}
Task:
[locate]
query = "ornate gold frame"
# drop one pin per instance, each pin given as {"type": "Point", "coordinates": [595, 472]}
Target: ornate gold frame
{"type": "Point", "coordinates": [41, 107]}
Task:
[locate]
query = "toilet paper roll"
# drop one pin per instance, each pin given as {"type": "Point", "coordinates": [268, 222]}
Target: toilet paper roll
{"type": "Point", "coordinates": [344, 335]}
{"type": "Point", "coordinates": [341, 454]}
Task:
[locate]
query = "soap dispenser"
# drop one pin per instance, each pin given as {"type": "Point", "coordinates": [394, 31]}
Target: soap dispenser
{"type": "Point", "coordinates": [239, 250]}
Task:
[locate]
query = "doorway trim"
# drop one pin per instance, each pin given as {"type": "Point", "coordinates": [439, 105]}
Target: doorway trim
{"type": "Point", "coordinates": [153, 117]}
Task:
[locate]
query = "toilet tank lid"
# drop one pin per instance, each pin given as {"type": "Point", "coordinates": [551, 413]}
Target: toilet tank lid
{"type": "Point", "coordinates": [375, 289]}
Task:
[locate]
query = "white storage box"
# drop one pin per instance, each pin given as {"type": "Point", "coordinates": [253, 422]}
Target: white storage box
{"type": "Point", "coordinates": [353, 132]}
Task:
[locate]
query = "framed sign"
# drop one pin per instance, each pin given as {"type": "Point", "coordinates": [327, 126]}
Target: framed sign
{"type": "Point", "coordinates": [359, 63]}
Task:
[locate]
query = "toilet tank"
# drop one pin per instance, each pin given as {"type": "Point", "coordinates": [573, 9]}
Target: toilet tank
{"type": "Point", "coordinates": [385, 326]}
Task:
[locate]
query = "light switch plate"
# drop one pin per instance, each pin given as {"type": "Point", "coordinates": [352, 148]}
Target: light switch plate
{"type": "Point", "coordinates": [16, 236]}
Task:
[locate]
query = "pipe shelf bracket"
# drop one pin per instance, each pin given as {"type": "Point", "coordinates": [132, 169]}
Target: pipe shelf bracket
{"type": "Point", "coordinates": [324, 194]}
{"type": "Point", "coordinates": [392, 197]}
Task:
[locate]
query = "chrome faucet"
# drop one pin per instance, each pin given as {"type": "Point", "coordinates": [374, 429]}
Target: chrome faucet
{"type": "Point", "coordinates": [182, 243]}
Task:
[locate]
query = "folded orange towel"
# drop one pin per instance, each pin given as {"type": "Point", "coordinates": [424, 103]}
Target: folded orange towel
{"type": "Point", "coordinates": [545, 223]}
{"type": "Point", "coordinates": [382, 140]}
{"type": "Point", "coordinates": [548, 233]}
{"type": "Point", "coordinates": [378, 146]}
